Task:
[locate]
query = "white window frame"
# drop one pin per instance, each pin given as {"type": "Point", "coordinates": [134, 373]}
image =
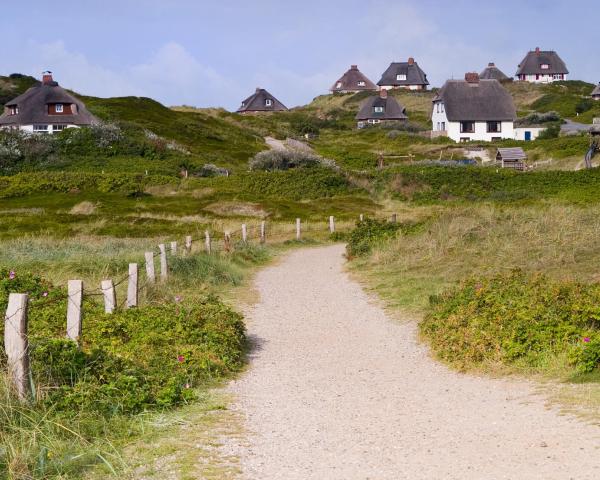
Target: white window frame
{"type": "Point", "coordinates": [268, 102]}
{"type": "Point", "coordinates": [378, 109]}
{"type": "Point", "coordinates": [401, 77]}
{"type": "Point", "coordinates": [374, 120]}
{"type": "Point", "coordinates": [59, 108]}
{"type": "Point", "coordinates": [14, 110]}
{"type": "Point", "coordinates": [59, 128]}
{"type": "Point", "coordinates": [339, 85]}
{"type": "Point", "coordinates": [38, 128]}
{"type": "Point", "coordinates": [545, 66]}
{"type": "Point", "coordinates": [361, 83]}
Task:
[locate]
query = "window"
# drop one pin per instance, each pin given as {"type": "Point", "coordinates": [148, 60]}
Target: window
{"type": "Point", "coordinates": [268, 102]}
{"type": "Point", "coordinates": [378, 109]}
{"type": "Point", "coordinates": [544, 66]}
{"type": "Point", "coordinates": [59, 108]}
{"type": "Point", "coordinates": [442, 107]}
{"type": "Point", "coordinates": [401, 76]}
{"type": "Point", "coordinates": [339, 85]}
{"type": "Point", "coordinates": [361, 84]}
{"type": "Point", "coordinates": [467, 127]}
{"type": "Point", "coordinates": [443, 126]}
{"type": "Point", "coordinates": [439, 126]}
{"type": "Point", "coordinates": [374, 120]}
{"type": "Point", "coordinates": [464, 139]}
{"type": "Point", "coordinates": [14, 110]}
{"type": "Point", "coordinates": [558, 76]}
{"type": "Point", "coordinates": [58, 128]}
{"type": "Point", "coordinates": [496, 139]}
{"type": "Point", "coordinates": [494, 127]}
{"type": "Point", "coordinates": [40, 128]}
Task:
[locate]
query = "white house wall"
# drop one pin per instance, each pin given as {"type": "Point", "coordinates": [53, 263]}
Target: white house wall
{"type": "Point", "coordinates": [480, 134]}
{"type": "Point", "coordinates": [541, 79]}
{"type": "Point", "coordinates": [535, 132]}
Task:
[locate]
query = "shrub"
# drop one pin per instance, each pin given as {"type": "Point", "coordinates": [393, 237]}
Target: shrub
{"type": "Point", "coordinates": [538, 119]}
{"type": "Point", "coordinates": [211, 170]}
{"type": "Point", "coordinates": [515, 319]}
{"type": "Point", "coordinates": [271, 160]}
{"type": "Point", "coordinates": [550, 132]}
{"type": "Point", "coordinates": [368, 233]}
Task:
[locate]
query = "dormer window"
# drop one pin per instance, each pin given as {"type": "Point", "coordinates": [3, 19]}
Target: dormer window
{"type": "Point", "coordinates": [378, 109]}
{"type": "Point", "coordinates": [59, 108]}
{"type": "Point", "coordinates": [361, 84]}
{"type": "Point", "coordinates": [13, 110]}
{"type": "Point", "coordinates": [268, 102]}
{"type": "Point", "coordinates": [401, 76]}
{"type": "Point", "coordinates": [544, 66]}
{"type": "Point", "coordinates": [339, 85]}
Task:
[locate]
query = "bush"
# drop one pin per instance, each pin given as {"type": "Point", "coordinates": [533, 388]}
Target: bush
{"type": "Point", "coordinates": [210, 170]}
{"type": "Point", "coordinates": [538, 119]}
{"type": "Point", "coordinates": [550, 132]}
{"type": "Point", "coordinates": [368, 233]}
{"type": "Point", "coordinates": [516, 319]}
{"type": "Point", "coordinates": [272, 160]}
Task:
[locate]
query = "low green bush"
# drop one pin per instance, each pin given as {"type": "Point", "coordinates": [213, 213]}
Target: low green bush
{"type": "Point", "coordinates": [368, 233]}
{"type": "Point", "coordinates": [272, 160]}
{"type": "Point", "coordinates": [516, 319]}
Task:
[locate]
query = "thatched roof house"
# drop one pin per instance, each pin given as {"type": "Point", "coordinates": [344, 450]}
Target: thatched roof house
{"type": "Point", "coordinates": [596, 92]}
{"type": "Point", "coordinates": [540, 66]}
{"type": "Point", "coordinates": [45, 108]}
{"type": "Point", "coordinates": [261, 101]}
{"type": "Point", "coordinates": [353, 81]}
{"type": "Point", "coordinates": [380, 108]}
{"type": "Point", "coordinates": [474, 109]}
{"type": "Point", "coordinates": [407, 75]}
{"type": "Point", "coordinates": [492, 72]}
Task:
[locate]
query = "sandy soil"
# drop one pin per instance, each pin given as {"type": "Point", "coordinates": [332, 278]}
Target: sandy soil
{"type": "Point", "coordinates": [337, 390]}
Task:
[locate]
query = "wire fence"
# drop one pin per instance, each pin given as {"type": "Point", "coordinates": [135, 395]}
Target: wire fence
{"type": "Point", "coordinates": [215, 241]}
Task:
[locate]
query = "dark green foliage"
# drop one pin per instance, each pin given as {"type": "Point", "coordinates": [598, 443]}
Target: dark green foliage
{"type": "Point", "coordinates": [568, 99]}
{"type": "Point", "coordinates": [367, 234]}
{"type": "Point", "coordinates": [273, 160]}
{"type": "Point", "coordinates": [553, 131]}
{"type": "Point", "coordinates": [516, 319]}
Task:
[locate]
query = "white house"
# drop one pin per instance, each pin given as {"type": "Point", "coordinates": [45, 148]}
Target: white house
{"type": "Point", "coordinates": [404, 75]}
{"type": "Point", "coordinates": [596, 92]}
{"type": "Point", "coordinates": [542, 67]}
{"type": "Point", "coordinates": [473, 110]}
{"type": "Point", "coordinates": [45, 108]}
{"type": "Point", "coordinates": [528, 134]}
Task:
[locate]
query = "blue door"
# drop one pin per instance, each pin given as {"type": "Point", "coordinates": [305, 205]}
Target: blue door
{"type": "Point", "coordinates": [528, 136]}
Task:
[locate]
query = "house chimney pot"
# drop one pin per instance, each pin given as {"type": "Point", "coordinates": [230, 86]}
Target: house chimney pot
{"type": "Point", "coordinates": [491, 64]}
{"type": "Point", "coordinates": [472, 77]}
{"type": "Point", "coordinates": [411, 61]}
{"type": "Point", "coordinates": [537, 50]}
{"type": "Point", "coordinates": [47, 78]}
{"type": "Point", "coordinates": [353, 67]}
{"type": "Point", "coordinates": [257, 89]}
{"type": "Point", "coordinates": [383, 93]}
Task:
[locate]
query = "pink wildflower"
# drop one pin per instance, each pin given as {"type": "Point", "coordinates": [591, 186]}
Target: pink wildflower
{"type": "Point", "coordinates": [178, 299]}
{"type": "Point", "coordinates": [12, 274]}
{"type": "Point", "coordinates": [587, 340]}
{"type": "Point", "coordinates": [187, 385]}
{"type": "Point", "coordinates": [45, 294]}
{"type": "Point", "coordinates": [180, 358]}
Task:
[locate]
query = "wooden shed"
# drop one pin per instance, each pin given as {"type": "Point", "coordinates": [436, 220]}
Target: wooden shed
{"type": "Point", "coordinates": [512, 158]}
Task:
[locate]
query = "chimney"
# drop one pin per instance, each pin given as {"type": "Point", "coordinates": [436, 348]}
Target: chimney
{"type": "Point", "coordinates": [383, 93]}
{"type": "Point", "coordinates": [537, 50]}
{"type": "Point", "coordinates": [353, 67]}
{"type": "Point", "coordinates": [472, 77]}
{"type": "Point", "coordinates": [411, 61]}
{"type": "Point", "coordinates": [47, 78]}
{"type": "Point", "coordinates": [257, 89]}
{"type": "Point", "coordinates": [491, 64]}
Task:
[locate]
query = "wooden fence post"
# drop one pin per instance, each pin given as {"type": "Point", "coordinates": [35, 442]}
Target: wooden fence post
{"type": "Point", "coordinates": [298, 228]}
{"type": "Point", "coordinates": [149, 256]}
{"type": "Point", "coordinates": [16, 343]}
{"type": "Point", "coordinates": [244, 233]}
{"type": "Point", "coordinates": [163, 262]}
{"type": "Point", "coordinates": [263, 232]}
{"type": "Point", "coordinates": [132, 286]}
{"type": "Point", "coordinates": [110, 296]}
{"type": "Point", "coordinates": [331, 224]}
{"type": "Point", "coordinates": [394, 218]}
{"type": "Point", "coordinates": [188, 244]}
{"type": "Point", "coordinates": [361, 217]}
{"type": "Point", "coordinates": [173, 248]}
{"type": "Point", "coordinates": [207, 242]}
{"type": "Point", "coordinates": [74, 306]}
{"type": "Point", "coordinates": [227, 241]}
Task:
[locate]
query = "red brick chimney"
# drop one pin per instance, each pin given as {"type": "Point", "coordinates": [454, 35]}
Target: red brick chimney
{"type": "Point", "coordinates": [491, 64]}
{"type": "Point", "coordinates": [383, 93]}
{"type": "Point", "coordinates": [257, 89]}
{"type": "Point", "coordinates": [537, 50]}
{"type": "Point", "coordinates": [47, 78]}
{"type": "Point", "coordinates": [411, 61]}
{"type": "Point", "coordinates": [353, 67]}
{"type": "Point", "coordinates": [472, 77]}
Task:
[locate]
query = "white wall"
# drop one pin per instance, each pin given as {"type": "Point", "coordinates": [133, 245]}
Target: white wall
{"type": "Point", "coordinates": [542, 79]}
{"type": "Point", "coordinates": [480, 134]}
{"type": "Point", "coordinates": [535, 132]}
{"type": "Point", "coordinates": [439, 119]}
{"type": "Point", "coordinates": [29, 128]}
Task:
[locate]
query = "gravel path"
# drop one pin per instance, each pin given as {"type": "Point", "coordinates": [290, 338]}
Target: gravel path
{"type": "Point", "coordinates": [337, 390]}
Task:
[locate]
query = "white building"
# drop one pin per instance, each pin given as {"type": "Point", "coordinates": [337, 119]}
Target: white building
{"type": "Point", "coordinates": [473, 110]}
{"type": "Point", "coordinates": [45, 108]}
{"type": "Point", "coordinates": [542, 67]}
{"type": "Point", "coordinates": [404, 75]}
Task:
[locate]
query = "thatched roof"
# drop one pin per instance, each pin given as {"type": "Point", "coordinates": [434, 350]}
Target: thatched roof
{"type": "Point", "coordinates": [596, 91]}
{"type": "Point", "coordinates": [414, 74]}
{"type": "Point", "coordinates": [33, 107]}
{"type": "Point", "coordinates": [492, 72]}
{"type": "Point", "coordinates": [533, 61]}
{"type": "Point", "coordinates": [477, 100]}
{"type": "Point", "coordinates": [511, 154]}
{"type": "Point", "coordinates": [353, 81]}
{"type": "Point", "coordinates": [392, 110]}
{"type": "Point", "coordinates": [258, 102]}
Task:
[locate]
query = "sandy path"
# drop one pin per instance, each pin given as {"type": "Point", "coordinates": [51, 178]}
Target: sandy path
{"type": "Point", "coordinates": [336, 390]}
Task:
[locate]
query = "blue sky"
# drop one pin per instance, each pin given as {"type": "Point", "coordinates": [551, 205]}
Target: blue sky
{"type": "Point", "coordinates": [214, 53]}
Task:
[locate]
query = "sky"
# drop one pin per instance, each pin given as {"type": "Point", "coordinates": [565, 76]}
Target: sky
{"type": "Point", "coordinates": [215, 53]}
